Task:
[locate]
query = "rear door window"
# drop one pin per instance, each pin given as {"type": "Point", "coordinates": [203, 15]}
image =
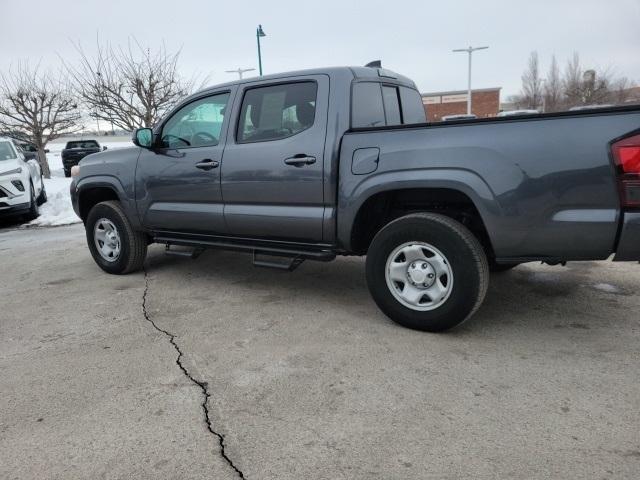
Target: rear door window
{"type": "Point", "coordinates": [277, 111]}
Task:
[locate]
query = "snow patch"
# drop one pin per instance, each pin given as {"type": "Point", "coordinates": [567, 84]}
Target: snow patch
{"type": "Point", "coordinates": [57, 210]}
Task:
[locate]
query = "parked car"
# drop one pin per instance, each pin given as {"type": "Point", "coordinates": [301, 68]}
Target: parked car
{"type": "Point", "coordinates": [22, 189]}
{"type": "Point", "coordinates": [461, 116]}
{"type": "Point", "coordinates": [76, 150]}
{"type": "Point", "coordinates": [29, 149]}
{"type": "Point", "coordinates": [339, 161]}
{"type": "Point", "coordinates": [517, 113]}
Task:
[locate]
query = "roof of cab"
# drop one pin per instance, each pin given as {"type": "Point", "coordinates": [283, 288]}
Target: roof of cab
{"type": "Point", "coordinates": [379, 74]}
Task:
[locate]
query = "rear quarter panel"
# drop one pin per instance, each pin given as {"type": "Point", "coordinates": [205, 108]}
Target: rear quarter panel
{"type": "Point", "coordinates": [545, 187]}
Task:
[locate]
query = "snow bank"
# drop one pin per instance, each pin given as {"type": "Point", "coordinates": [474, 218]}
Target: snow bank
{"type": "Point", "coordinates": [58, 210]}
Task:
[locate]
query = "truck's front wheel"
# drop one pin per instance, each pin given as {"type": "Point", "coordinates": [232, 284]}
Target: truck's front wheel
{"type": "Point", "coordinates": [427, 272]}
{"type": "Point", "coordinates": [115, 246]}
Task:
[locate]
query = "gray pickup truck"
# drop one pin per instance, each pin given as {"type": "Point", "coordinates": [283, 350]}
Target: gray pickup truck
{"type": "Point", "coordinates": [339, 161]}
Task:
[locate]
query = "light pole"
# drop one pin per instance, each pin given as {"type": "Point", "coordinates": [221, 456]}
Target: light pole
{"type": "Point", "coordinates": [260, 33]}
{"type": "Point", "coordinates": [470, 51]}
{"type": "Point", "coordinates": [240, 71]}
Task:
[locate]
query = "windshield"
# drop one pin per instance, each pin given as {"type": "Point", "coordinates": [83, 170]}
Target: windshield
{"type": "Point", "coordinates": [7, 152]}
{"type": "Point", "coordinates": [83, 144]}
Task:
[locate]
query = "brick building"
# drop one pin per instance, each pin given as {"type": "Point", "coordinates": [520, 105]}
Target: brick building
{"type": "Point", "coordinates": [485, 102]}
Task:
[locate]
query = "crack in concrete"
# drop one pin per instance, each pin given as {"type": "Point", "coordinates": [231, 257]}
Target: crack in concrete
{"type": "Point", "coordinates": [202, 385]}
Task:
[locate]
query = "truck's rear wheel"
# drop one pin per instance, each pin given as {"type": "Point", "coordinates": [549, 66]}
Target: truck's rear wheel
{"type": "Point", "coordinates": [115, 246]}
{"type": "Point", "coordinates": [427, 272]}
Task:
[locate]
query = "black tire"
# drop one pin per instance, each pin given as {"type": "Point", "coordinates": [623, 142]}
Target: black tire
{"type": "Point", "coordinates": [42, 198]}
{"type": "Point", "coordinates": [34, 211]}
{"type": "Point", "coordinates": [501, 267]}
{"type": "Point", "coordinates": [466, 259]}
{"type": "Point", "coordinates": [133, 244]}
{"type": "Point", "coordinates": [67, 173]}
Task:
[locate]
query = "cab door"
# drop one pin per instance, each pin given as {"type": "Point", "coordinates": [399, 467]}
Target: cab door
{"type": "Point", "coordinates": [178, 181]}
{"type": "Point", "coordinates": [272, 177]}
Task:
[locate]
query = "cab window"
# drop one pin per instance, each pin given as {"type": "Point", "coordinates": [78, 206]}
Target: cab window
{"type": "Point", "coordinates": [366, 105]}
{"type": "Point", "coordinates": [391, 105]}
{"type": "Point", "coordinates": [412, 106]}
{"type": "Point", "coordinates": [197, 124]}
{"type": "Point", "coordinates": [376, 105]}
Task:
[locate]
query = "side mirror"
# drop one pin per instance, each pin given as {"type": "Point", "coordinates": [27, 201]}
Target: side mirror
{"type": "Point", "coordinates": [104, 148]}
{"type": "Point", "coordinates": [143, 137]}
{"type": "Point", "coordinates": [46, 150]}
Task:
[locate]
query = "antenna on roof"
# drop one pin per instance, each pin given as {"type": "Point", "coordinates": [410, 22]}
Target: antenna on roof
{"type": "Point", "coordinates": [374, 64]}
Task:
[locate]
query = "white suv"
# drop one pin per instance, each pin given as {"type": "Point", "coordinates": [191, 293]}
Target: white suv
{"type": "Point", "coordinates": [21, 186]}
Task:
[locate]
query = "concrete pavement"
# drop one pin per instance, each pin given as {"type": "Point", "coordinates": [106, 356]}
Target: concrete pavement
{"type": "Point", "coordinates": [303, 377]}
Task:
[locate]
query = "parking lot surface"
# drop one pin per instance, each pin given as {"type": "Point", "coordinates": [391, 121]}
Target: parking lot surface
{"type": "Point", "coordinates": [215, 369]}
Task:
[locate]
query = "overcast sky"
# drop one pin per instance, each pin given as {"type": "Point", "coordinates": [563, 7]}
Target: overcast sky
{"type": "Point", "coordinates": [411, 37]}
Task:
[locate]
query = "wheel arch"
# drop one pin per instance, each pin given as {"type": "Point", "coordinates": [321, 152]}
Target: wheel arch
{"type": "Point", "coordinates": [382, 206]}
{"type": "Point", "coordinates": [93, 190]}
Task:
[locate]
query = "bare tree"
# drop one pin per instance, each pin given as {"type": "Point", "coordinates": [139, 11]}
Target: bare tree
{"type": "Point", "coordinates": [128, 87]}
{"type": "Point", "coordinates": [576, 86]}
{"type": "Point", "coordinates": [553, 88]}
{"type": "Point", "coordinates": [572, 81]}
{"type": "Point", "coordinates": [38, 105]}
{"type": "Point", "coordinates": [621, 90]}
{"type": "Point", "coordinates": [532, 83]}
{"type": "Point", "coordinates": [592, 87]}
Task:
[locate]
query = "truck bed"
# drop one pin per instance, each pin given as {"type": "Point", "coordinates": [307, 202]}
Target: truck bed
{"type": "Point", "coordinates": [545, 185]}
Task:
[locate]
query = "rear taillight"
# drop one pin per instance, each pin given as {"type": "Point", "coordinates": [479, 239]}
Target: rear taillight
{"type": "Point", "coordinates": [626, 154]}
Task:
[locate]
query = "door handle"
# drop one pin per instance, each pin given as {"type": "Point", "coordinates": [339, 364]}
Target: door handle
{"type": "Point", "coordinates": [207, 164]}
{"type": "Point", "coordinates": [300, 160]}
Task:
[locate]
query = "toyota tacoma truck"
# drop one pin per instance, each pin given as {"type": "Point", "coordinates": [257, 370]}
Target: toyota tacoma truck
{"type": "Point", "coordinates": [340, 161]}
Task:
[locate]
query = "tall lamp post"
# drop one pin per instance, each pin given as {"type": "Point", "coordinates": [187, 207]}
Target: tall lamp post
{"type": "Point", "coordinates": [470, 51]}
{"type": "Point", "coordinates": [260, 33]}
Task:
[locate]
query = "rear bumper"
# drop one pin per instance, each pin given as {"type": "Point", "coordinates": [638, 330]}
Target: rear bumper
{"type": "Point", "coordinates": [629, 243]}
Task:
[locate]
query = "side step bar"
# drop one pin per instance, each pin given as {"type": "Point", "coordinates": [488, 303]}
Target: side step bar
{"type": "Point", "coordinates": [290, 266]}
{"type": "Point", "coordinates": [195, 253]}
{"type": "Point", "coordinates": [295, 256]}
